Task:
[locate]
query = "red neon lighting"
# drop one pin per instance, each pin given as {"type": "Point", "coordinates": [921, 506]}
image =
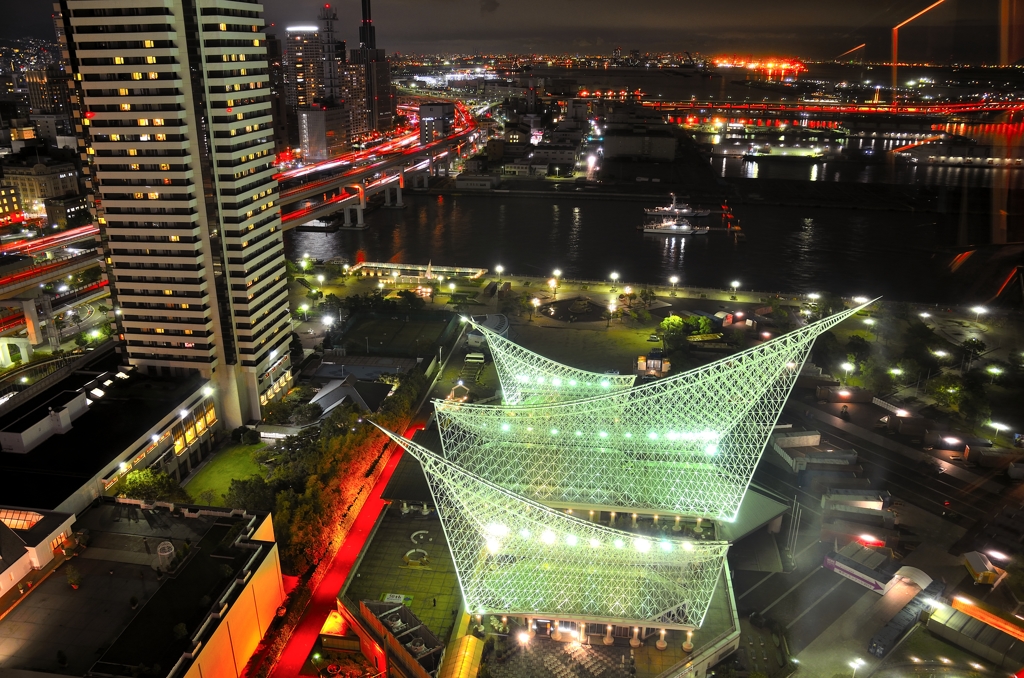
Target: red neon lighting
{"type": "Point", "coordinates": [228, 109]}
{"type": "Point", "coordinates": [90, 115]}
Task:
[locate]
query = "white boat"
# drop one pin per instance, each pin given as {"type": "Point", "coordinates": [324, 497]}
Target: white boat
{"type": "Point", "coordinates": [675, 226]}
{"type": "Point", "coordinates": [677, 209]}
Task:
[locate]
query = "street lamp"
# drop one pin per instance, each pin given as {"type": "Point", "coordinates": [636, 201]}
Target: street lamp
{"type": "Point", "coordinates": [998, 427]}
{"type": "Point", "coordinates": [939, 354]}
{"type": "Point", "coordinates": [848, 367]}
{"type": "Point", "coordinates": [856, 664]}
{"type": "Point", "coordinates": [734, 284]}
{"type": "Point", "coordinates": [535, 302]}
{"type": "Point", "coordinates": [614, 276]}
{"type": "Point", "coordinates": [674, 280]}
{"type": "Point", "coordinates": [611, 310]}
{"type": "Point", "coordinates": [305, 309]}
{"type": "Point", "coordinates": [814, 296]}
{"type": "Point", "coordinates": [553, 284]}
{"type": "Point", "coordinates": [978, 310]}
{"type": "Point", "coordinates": [995, 372]}
{"type": "Point", "coordinates": [327, 321]}
{"type": "Point", "coordinates": [925, 314]}
{"type": "Point", "coordinates": [394, 276]}
{"type": "Point", "coordinates": [500, 269]}
{"type": "Point", "coordinates": [557, 273]}
{"type": "Point", "coordinates": [320, 279]}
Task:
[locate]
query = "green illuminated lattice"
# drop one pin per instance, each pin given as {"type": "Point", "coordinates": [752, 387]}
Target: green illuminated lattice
{"type": "Point", "coordinates": [515, 556]}
{"type": "Point", "coordinates": [687, 444]}
{"type": "Point", "coordinates": [528, 378]}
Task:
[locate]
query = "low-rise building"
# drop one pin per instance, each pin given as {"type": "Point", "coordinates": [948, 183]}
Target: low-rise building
{"type": "Point", "coordinates": [11, 211]}
{"type": "Point", "coordinates": [640, 142]}
{"type": "Point", "coordinates": [437, 119]}
{"type": "Point", "coordinates": [115, 420]}
{"type": "Point", "coordinates": [40, 178]}
{"type": "Point", "coordinates": [73, 209]}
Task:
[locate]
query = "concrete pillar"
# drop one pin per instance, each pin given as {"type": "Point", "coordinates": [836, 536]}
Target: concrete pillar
{"type": "Point", "coordinates": [634, 521]}
{"type": "Point", "coordinates": [635, 640]}
{"type": "Point", "coordinates": [398, 195]}
{"type": "Point", "coordinates": [348, 219]}
{"type": "Point", "coordinates": [608, 640]}
{"type": "Point", "coordinates": [661, 644]}
{"type": "Point", "coordinates": [677, 527]}
{"type": "Point", "coordinates": [556, 633]}
{"type": "Point", "coordinates": [387, 196]}
{"type": "Point", "coordinates": [5, 354]}
{"type": "Point", "coordinates": [28, 307]}
{"type": "Point", "coordinates": [359, 216]}
{"type": "Point", "coordinates": [531, 630]}
{"type": "Point", "coordinates": [688, 645]}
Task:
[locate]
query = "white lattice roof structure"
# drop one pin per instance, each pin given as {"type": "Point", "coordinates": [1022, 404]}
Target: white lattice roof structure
{"type": "Point", "coordinates": [529, 378]}
{"type": "Point", "coordinates": [515, 556]}
{"type": "Point", "coordinates": [685, 445]}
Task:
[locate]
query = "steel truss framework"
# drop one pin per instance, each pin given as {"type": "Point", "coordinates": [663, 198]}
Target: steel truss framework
{"type": "Point", "coordinates": [684, 445]}
{"type": "Point", "coordinates": [515, 556]}
{"type": "Point", "coordinates": [529, 378]}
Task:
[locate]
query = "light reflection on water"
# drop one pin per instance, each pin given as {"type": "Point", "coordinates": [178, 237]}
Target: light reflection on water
{"type": "Point", "coordinates": [786, 248]}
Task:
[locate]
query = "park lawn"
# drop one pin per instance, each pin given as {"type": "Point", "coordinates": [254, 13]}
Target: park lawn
{"type": "Point", "coordinates": [234, 461]}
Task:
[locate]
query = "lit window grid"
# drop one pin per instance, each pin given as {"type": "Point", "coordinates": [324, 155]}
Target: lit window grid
{"type": "Point", "coordinates": [686, 445]}
{"type": "Point", "coordinates": [529, 378]}
{"type": "Point", "coordinates": [518, 557]}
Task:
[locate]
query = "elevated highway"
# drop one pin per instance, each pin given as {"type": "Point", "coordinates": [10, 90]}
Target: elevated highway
{"type": "Point", "coordinates": [343, 184]}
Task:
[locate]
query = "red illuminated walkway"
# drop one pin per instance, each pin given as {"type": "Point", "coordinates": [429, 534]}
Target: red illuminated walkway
{"type": "Point", "coordinates": [324, 599]}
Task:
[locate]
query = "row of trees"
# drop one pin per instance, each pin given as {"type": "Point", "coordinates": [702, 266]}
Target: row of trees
{"type": "Point", "coordinates": [321, 474]}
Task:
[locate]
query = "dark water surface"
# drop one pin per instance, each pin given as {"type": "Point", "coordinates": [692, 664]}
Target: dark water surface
{"type": "Point", "coordinates": [792, 249]}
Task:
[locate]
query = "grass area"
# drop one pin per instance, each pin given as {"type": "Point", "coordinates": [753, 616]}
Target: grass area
{"type": "Point", "coordinates": [597, 349]}
{"type": "Point", "coordinates": [234, 461]}
{"type": "Point", "coordinates": [394, 335]}
{"type": "Point", "coordinates": [150, 639]}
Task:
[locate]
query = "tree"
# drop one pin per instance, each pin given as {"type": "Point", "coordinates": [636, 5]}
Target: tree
{"type": "Point", "coordinates": [859, 347]}
{"type": "Point", "coordinates": [827, 352]}
{"type": "Point", "coordinates": [877, 377]}
{"type": "Point", "coordinates": [252, 494]}
{"type": "Point", "coordinates": [412, 300]}
{"type": "Point", "coordinates": [179, 631]}
{"type": "Point", "coordinates": [647, 296]}
{"type": "Point", "coordinates": [251, 437]}
{"type": "Point", "coordinates": [306, 414]}
{"type": "Point", "coordinates": [946, 389]}
{"type": "Point", "coordinates": [153, 486]}
{"type": "Point", "coordinates": [974, 407]}
{"type": "Point", "coordinates": [829, 304]}
{"type": "Point", "coordinates": [973, 348]}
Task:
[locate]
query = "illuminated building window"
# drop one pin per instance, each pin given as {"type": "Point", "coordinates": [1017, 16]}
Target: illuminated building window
{"type": "Point", "coordinates": [136, 76]}
{"type": "Point", "coordinates": [148, 43]}
{"type": "Point", "coordinates": [118, 60]}
{"type": "Point", "coordinates": [153, 75]}
{"type": "Point", "coordinates": [164, 166]}
{"type": "Point", "coordinates": [151, 60]}
{"type": "Point", "coordinates": [123, 91]}
{"type": "Point", "coordinates": [154, 196]}
{"type": "Point", "coordinates": [126, 107]}
{"type": "Point", "coordinates": [143, 122]}
{"type": "Point", "coordinates": [132, 151]}
{"type": "Point", "coordinates": [158, 122]}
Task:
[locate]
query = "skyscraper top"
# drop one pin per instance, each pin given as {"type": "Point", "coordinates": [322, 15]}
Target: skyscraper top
{"type": "Point", "coordinates": [367, 37]}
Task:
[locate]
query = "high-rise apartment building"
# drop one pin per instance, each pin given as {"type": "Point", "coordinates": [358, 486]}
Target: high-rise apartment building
{"type": "Point", "coordinates": [176, 114]}
{"type": "Point", "coordinates": [303, 66]}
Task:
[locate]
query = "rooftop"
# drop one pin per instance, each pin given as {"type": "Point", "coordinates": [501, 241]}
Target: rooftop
{"type": "Point", "coordinates": [97, 622]}
{"type": "Point", "coordinates": [46, 476]}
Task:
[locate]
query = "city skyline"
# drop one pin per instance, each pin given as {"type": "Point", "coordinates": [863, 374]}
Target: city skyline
{"type": "Point", "coordinates": [959, 30]}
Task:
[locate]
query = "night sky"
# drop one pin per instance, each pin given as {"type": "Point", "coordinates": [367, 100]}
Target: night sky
{"type": "Point", "coordinates": [964, 30]}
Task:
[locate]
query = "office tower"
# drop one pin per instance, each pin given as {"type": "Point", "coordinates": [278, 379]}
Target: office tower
{"type": "Point", "coordinates": [437, 119]}
{"type": "Point", "coordinates": [275, 61]}
{"type": "Point", "coordinates": [303, 66]}
{"type": "Point", "coordinates": [380, 97]}
{"type": "Point", "coordinates": [334, 56]}
{"type": "Point", "coordinates": [177, 116]}
{"type": "Point", "coordinates": [49, 90]}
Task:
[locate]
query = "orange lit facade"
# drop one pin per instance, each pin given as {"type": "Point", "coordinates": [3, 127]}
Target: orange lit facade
{"type": "Point", "coordinates": [989, 615]}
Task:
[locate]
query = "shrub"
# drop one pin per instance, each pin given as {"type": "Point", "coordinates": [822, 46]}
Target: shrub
{"type": "Point", "coordinates": [251, 437]}
{"type": "Point", "coordinates": [179, 631]}
{"type": "Point", "coordinates": [73, 575]}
